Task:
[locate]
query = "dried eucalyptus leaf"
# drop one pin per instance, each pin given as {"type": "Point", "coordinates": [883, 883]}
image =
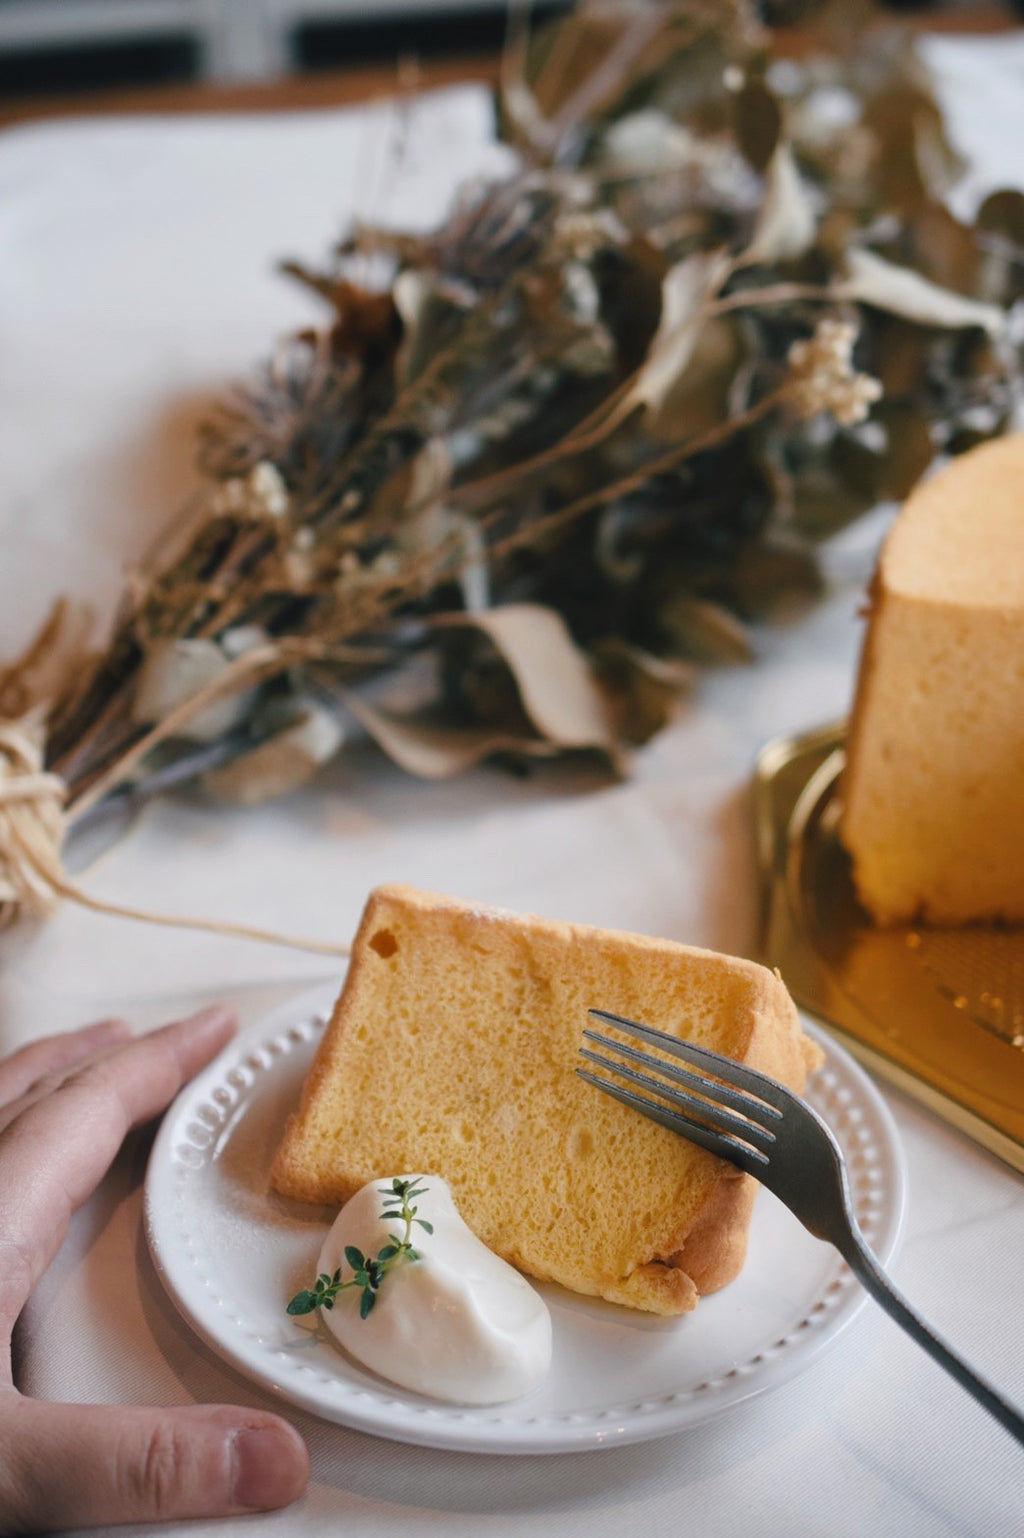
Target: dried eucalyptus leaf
{"type": "Point", "coordinates": [701, 397]}
{"type": "Point", "coordinates": [757, 122]}
{"type": "Point", "coordinates": [560, 55]}
{"type": "Point", "coordinates": [50, 662]}
{"type": "Point", "coordinates": [426, 745]}
{"type": "Point", "coordinates": [704, 630]}
{"type": "Point", "coordinates": [768, 577]}
{"type": "Point", "coordinates": [899, 354]}
{"type": "Point", "coordinates": [522, 120]}
{"type": "Point", "coordinates": [870, 279]}
{"type": "Point", "coordinates": [1000, 226]}
{"type": "Point", "coordinates": [284, 763]}
{"type": "Point", "coordinates": [436, 527]}
{"type": "Point", "coordinates": [632, 299]}
{"type": "Point", "coordinates": [1002, 213]}
{"type": "Point", "coordinates": [945, 250]}
{"type": "Point", "coordinates": [174, 671]}
{"type": "Point", "coordinates": [595, 62]}
{"type": "Point", "coordinates": [429, 474]}
{"type": "Point", "coordinates": [824, 502]}
{"type": "Point", "coordinates": [787, 223]}
{"type": "Point", "coordinates": [555, 683]}
{"type": "Point", "coordinates": [909, 448]}
{"type": "Point", "coordinates": [858, 464]}
{"type": "Point", "coordinates": [915, 161]}
{"type": "Point", "coordinates": [685, 290]}
{"type": "Point", "coordinates": [643, 690]}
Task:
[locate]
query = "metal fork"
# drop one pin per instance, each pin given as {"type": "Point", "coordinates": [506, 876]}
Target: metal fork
{"type": "Point", "coordinates": [767, 1131]}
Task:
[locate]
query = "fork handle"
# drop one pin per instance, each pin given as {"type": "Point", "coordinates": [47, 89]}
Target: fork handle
{"type": "Point", "coordinates": [874, 1280]}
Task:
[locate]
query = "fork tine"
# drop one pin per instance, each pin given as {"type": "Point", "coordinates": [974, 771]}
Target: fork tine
{"type": "Point", "coordinates": [749, 1159]}
{"type": "Point", "coordinates": [774, 1095]}
{"type": "Point", "coordinates": [705, 1104]}
{"type": "Point", "coordinates": [722, 1094]}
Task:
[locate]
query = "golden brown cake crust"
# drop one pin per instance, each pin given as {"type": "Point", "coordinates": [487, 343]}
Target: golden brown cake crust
{"type": "Point", "coordinates": [453, 1049]}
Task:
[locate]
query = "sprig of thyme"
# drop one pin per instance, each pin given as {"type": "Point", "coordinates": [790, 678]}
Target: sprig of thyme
{"type": "Point", "coordinates": [368, 1273]}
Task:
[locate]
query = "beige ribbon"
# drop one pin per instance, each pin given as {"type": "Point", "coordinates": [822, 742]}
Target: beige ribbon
{"type": "Point", "coordinates": [32, 829]}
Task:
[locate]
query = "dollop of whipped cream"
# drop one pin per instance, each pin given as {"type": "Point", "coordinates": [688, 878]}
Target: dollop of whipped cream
{"type": "Point", "coordinates": [456, 1324]}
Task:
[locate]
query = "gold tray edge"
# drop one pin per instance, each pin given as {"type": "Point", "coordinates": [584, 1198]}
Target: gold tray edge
{"type": "Point", "coordinates": [950, 1111]}
{"type": "Point", "coordinates": [771, 760]}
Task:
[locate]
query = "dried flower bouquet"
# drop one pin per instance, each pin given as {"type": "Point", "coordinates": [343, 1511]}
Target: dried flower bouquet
{"type": "Point", "coordinates": [572, 443]}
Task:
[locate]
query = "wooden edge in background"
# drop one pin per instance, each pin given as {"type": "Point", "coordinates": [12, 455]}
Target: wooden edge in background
{"type": "Point", "coordinates": [316, 91]}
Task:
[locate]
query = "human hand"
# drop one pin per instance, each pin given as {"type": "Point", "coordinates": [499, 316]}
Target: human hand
{"type": "Point", "coordinates": [66, 1104]}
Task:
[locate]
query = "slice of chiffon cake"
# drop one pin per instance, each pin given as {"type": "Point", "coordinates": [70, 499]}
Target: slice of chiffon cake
{"type": "Point", "coordinates": [453, 1049]}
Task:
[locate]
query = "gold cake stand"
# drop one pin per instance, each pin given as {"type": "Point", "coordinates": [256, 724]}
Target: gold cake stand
{"type": "Point", "coordinates": [937, 1012]}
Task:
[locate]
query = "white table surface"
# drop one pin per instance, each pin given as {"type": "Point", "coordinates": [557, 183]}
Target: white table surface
{"type": "Point", "coordinates": [136, 280]}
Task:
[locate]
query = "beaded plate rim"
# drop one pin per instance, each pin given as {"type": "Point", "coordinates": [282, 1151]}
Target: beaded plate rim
{"type": "Point", "coordinates": [198, 1277]}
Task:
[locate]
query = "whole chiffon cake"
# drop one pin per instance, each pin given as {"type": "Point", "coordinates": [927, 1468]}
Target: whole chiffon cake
{"type": "Point", "coordinates": [933, 790]}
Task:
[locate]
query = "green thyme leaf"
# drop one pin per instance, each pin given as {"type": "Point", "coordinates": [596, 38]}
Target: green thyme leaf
{"type": "Point", "coordinates": [369, 1274]}
{"type": "Point", "coordinates": [303, 1303]}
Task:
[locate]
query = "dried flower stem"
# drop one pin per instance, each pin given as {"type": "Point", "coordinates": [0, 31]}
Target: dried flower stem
{"type": "Point", "coordinates": [773, 294]}
{"type": "Point", "coordinates": [713, 438]}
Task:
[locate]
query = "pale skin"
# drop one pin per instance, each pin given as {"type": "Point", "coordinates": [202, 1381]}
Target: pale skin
{"type": "Point", "coordinates": [66, 1104]}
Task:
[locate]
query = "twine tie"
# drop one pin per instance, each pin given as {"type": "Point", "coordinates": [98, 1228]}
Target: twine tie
{"type": "Point", "coordinates": [33, 824]}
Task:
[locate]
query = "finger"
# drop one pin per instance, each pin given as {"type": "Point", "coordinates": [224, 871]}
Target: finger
{"type": "Point", "coordinates": [65, 1466]}
{"type": "Point", "coordinates": [48, 1082]}
{"type": "Point", "coordinates": [58, 1150]}
{"type": "Point", "coordinates": [56, 1054]}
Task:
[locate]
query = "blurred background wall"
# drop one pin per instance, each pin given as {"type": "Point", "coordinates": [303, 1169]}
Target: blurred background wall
{"type": "Point", "coordinates": [70, 45]}
{"type": "Point", "coordinates": [55, 47]}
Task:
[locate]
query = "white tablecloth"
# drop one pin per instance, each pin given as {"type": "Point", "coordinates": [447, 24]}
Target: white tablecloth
{"type": "Point", "coordinates": [136, 280]}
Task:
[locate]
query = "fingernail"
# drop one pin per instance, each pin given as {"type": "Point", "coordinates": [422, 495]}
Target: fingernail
{"type": "Point", "coordinates": [270, 1467]}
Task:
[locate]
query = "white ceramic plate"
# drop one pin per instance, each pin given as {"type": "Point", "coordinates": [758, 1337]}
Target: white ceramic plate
{"type": "Point", "coordinates": [231, 1256]}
